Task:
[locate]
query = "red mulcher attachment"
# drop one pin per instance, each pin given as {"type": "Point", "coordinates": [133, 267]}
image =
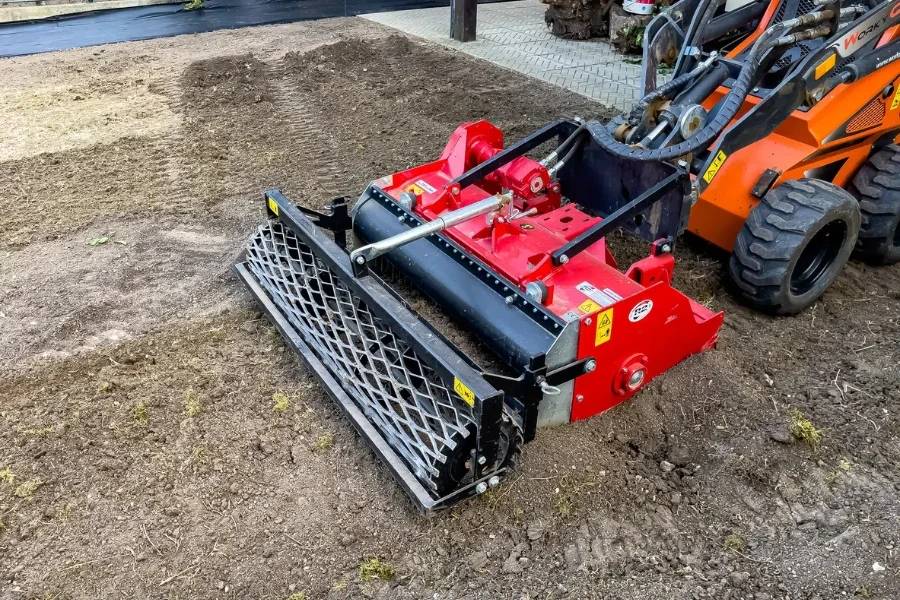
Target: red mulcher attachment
{"type": "Point", "coordinates": [633, 325]}
{"type": "Point", "coordinates": [510, 248]}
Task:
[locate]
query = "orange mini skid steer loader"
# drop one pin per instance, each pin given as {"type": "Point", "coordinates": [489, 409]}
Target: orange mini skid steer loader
{"type": "Point", "coordinates": [785, 112]}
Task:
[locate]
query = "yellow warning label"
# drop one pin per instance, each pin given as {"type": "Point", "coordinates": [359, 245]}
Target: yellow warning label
{"type": "Point", "coordinates": [896, 101]}
{"type": "Point", "coordinates": [415, 189]}
{"type": "Point", "coordinates": [464, 392]}
{"type": "Point", "coordinates": [273, 206]}
{"type": "Point", "coordinates": [588, 306]}
{"type": "Point", "coordinates": [825, 66]}
{"type": "Point", "coordinates": [604, 327]}
{"type": "Point", "coordinates": [717, 163]}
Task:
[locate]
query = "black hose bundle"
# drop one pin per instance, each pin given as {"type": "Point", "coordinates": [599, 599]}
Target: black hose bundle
{"type": "Point", "coordinates": [729, 108]}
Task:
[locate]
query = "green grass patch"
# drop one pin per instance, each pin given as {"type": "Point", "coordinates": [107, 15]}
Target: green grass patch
{"type": "Point", "coordinates": [735, 543]}
{"type": "Point", "coordinates": [141, 414]}
{"type": "Point", "coordinates": [804, 431]}
{"type": "Point", "coordinates": [7, 476]}
{"type": "Point", "coordinates": [282, 402]}
{"type": "Point", "coordinates": [324, 442]}
{"type": "Point", "coordinates": [376, 569]}
{"type": "Point", "coordinates": [28, 488]}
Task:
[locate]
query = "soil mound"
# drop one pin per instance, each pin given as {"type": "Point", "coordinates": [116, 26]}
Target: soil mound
{"type": "Point", "coordinates": [240, 79]}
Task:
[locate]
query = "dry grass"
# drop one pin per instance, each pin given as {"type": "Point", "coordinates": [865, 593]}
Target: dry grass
{"type": "Point", "coordinates": [191, 403]}
{"type": "Point", "coordinates": [28, 488]}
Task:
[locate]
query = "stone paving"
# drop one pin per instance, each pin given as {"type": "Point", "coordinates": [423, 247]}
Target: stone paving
{"type": "Point", "coordinates": [514, 35]}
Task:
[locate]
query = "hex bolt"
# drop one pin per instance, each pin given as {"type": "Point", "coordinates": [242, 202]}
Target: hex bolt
{"type": "Point", "coordinates": [360, 260]}
{"type": "Point", "coordinates": [481, 488]}
{"type": "Point", "coordinates": [590, 365]}
{"type": "Point", "coordinates": [509, 300]}
{"type": "Point", "coordinates": [667, 248]}
{"type": "Point", "coordinates": [401, 218]}
{"type": "Point", "coordinates": [563, 259]}
{"type": "Point", "coordinates": [482, 460]}
{"type": "Point", "coordinates": [454, 191]}
{"type": "Point", "coordinates": [588, 321]}
{"type": "Point", "coordinates": [494, 481]}
{"type": "Point", "coordinates": [579, 398]}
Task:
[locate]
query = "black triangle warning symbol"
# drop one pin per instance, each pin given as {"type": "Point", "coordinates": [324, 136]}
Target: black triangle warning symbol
{"type": "Point", "coordinates": [604, 322]}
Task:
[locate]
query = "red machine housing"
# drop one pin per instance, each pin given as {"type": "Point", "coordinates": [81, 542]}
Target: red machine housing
{"type": "Point", "coordinates": [634, 324]}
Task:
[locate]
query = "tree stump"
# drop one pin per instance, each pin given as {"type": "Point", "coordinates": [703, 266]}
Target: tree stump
{"type": "Point", "coordinates": [626, 31]}
{"type": "Point", "coordinates": [578, 19]}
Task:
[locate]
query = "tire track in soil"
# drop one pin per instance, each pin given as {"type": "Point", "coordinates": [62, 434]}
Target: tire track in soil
{"type": "Point", "coordinates": [317, 153]}
{"type": "Point", "coordinates": [171, 145]}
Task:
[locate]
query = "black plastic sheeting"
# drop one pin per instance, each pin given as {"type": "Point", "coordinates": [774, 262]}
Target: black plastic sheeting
{"type": "Point", "coordinates": [165, 20]}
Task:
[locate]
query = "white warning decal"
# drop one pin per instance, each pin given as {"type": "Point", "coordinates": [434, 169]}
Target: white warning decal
{"type": "Point", "coordinates": [426, 186]}
{"type": "Point", "coordinates": [598, 296]}
{"type": "Point", "coordinates": [612, 294]}
{"type": "Point", "coordinates": [640, 310]}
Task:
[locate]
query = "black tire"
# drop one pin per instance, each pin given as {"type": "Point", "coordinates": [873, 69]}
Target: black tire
{"type": "Point", "coordinates": [877, 187]}
{"type": "Point", "coordinates": [793, 245]}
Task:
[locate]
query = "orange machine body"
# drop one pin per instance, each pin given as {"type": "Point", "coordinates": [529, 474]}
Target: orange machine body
{"type": "Point", "coordinates": [829, 140]}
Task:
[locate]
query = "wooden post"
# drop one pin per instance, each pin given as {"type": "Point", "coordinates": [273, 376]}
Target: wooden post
{"type": "Point", "coordinates": [462, 20]}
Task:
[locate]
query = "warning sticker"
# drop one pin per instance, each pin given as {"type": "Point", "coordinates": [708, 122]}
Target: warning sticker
{"type": "Point", "coordinates": [896, 102]}
{"type": "Point", "coordinates": [571, 316]}
{"type": "Point", "coordinates": [604, 327]}
{"type": "Point", "coordinates": [415, 189]}
{"type": "Point", "coordinates": [273, 206]}
{"type": "Point", "coordinates": [426, 186]}
{"type": "Point", "coordinates": [464, 392]}
{"type": "Point", "coordinates": [714, 167]}
{"type": "Point", "coordinates": [588, 307]}
{"type": "Point", "coordinates": [598, 296]}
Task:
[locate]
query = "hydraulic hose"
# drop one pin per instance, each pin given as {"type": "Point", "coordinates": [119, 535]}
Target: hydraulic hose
{"type": "Point", "coordinates": [705, 86]}
{"type": "Point", "coordinates": [730, 105]}
{"type": "Point", "coordinates": [555, 154]}
{"type": "Point", "coordinates": [667, 90]}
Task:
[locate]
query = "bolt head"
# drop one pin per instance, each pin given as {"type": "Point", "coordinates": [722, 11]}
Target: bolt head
{"type": "Point", "coordinates": [454, 190]}
{"type": "Point", "coordinates": [590, 365]}
{"type": "Point", "coordinates": [563, 259]}
{"type": "Point", "coordinates": [509, 300]}
{"type": "Point", "coordinates": [482, 460]}
{"type": "Point", "coordinates": [360, 260]}
{"type": "Point", "coordinates": [481, 488]}
{"type": "Point", "coordinates": [667, 248]}
{"type": "Point", "coordinates": [579, 398]}
{"type": "Point", "coordinates": [588, 321]}
{"type": "Point", "coordinates": [494, 481]}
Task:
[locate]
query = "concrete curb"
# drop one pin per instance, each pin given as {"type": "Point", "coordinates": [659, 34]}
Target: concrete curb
{"type": "Point", "coordinates": [11, 14]}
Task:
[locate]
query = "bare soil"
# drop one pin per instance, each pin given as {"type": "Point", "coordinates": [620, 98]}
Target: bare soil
{"type": "Point", "coordinates": [146, 448]}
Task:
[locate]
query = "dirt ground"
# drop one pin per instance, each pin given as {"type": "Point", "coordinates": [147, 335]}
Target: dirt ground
{"type": "Point", "coordinates": [159, 441]}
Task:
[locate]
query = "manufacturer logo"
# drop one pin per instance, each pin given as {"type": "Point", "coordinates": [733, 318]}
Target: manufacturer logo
{"type": "Point", "coordinates": [874, 25]}
{"type": "Point", "coordinates": [640, 311]}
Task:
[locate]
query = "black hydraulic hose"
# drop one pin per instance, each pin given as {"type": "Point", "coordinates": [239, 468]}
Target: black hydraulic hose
{"type": "Point", "coordinates": [730, 105]}
{"type": "Point", "coordinates": [705, 86]}
{"type": "Point", "coordinates": [555, 154]}
{"type": "Point", "coordinates": [574, 148]}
